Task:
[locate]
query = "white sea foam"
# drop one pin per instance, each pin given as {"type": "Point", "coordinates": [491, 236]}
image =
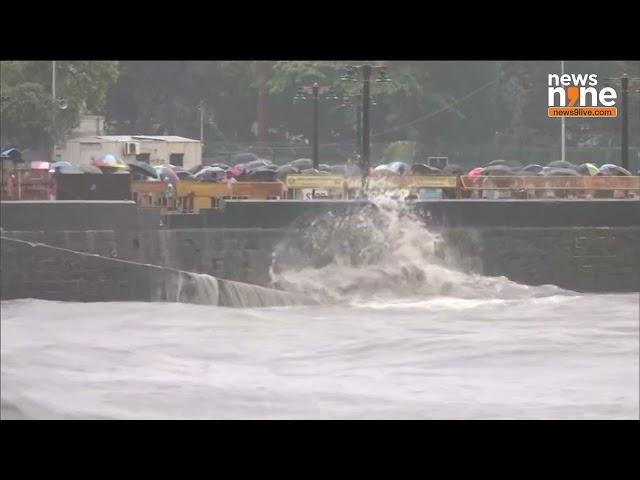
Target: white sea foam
{"type": "Point", "coordinates": [381, 252]}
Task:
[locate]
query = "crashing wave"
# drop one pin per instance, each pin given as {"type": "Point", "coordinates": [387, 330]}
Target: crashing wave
{"type": "Point", "coordinates": [379, 250]}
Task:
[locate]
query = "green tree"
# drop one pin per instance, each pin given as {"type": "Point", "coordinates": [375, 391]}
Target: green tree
{"type": "Point", "coordinates": [30, 118]}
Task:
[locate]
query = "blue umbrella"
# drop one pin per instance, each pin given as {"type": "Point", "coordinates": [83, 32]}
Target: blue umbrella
{"type": "Point", "coordinates": [614, 170]}
{"type": "Point", "coordinates": [59, 164]}
{"type": "Point", "coordinates": [11, 154]}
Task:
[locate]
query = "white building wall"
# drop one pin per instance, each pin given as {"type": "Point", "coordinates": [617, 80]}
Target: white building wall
{"type": "Point", "coordinates": [84, 152]}
{"type": "Point", "coordinates": [160, 152]}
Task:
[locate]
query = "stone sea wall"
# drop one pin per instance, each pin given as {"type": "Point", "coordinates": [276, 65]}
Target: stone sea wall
{"type": "Point", "coordinates": [41, 271]}
{"type": "Point", "coordinates": [583, 246]}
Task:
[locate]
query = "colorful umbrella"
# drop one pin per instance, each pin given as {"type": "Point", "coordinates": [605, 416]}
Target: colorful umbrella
{"type": "Point", "coordinates": [588, 169]}
{"type": "Point", "coordinates": [110, 161]}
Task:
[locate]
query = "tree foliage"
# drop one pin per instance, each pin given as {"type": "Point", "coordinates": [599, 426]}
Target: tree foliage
{"type": "Point", "coordinates": [30, 118]}
{"type": "Point", "coordinates": [439, 104]}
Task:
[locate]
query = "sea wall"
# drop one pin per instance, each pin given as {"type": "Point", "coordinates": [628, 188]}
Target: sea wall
{"type": "Point", "coordinates": [583, 246]}
{"type": "Point", "coordinates": [31, 270]}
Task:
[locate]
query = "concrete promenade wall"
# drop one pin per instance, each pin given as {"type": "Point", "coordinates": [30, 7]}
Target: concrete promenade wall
{"type": "Point", "coordinates": [556, 242]}
{"type": "Point", "coordinates": [40, 271]}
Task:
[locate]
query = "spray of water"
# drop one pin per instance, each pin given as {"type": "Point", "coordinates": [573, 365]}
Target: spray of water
{"type": "Point", "coordinates": [379, 251]}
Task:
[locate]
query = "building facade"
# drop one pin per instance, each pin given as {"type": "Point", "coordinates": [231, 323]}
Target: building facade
{"type": "Point", "coordinates": [155, 150]}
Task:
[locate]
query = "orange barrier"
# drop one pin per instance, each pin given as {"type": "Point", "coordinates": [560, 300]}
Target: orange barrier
{"type": "Point", "coordinates": [549, 183]}
{"type": "Point", "coordinates": [151, 194]}
{"type": "Point", "coordinates": [19, 184]}
{"type": "Point", "coordinates": [258, 189]}
{"type": "Point", "coordinates": [193, 196]}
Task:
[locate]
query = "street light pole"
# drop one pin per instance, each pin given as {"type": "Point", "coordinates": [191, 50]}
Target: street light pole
{"type": "Point", "coordinates": [366, 99]}
{"type": "Point", "coordinates": [53, 80]}
{"type": "Point", "coordinates": [315, 90]}
{"type": "Point", "coordinates": [316, 146]}
{"type": "Point", "coordinates": [624, 160]}
{"type": "Point", "coordinates": [359, 124]}
{"type": "Point", "coordinates": [202, 123]}
{"type": "Point", "coordinates": [55, 107]}
{"type": "Point", "coordinates": [624, 100]}
{"type": "Point", "coordinates": [366, 70]}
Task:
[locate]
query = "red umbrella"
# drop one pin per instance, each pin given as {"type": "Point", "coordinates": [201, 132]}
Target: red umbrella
{"type": "Point", "coordinates": [475, 172]}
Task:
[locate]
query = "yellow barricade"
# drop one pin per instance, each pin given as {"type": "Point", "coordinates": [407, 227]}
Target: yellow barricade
{"type": "Point", "coordinates": [327, 182]}
{"type": "Point", "coordinates": [428, 181]}
{"type": "Point", "coordinates": [150, 194]}
{"type": "Point", "coordinates": [202, 189]}
{"type": "Point", "coordinates": [193, 196]}
{"type": "Point", "coordinates": [257, 190]}
{"type": "Point", "coordinates": [408, 182]}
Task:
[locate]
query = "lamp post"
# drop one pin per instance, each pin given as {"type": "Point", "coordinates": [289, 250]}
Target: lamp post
{"type": "Point", "coordinates": [356, 101]}
{"type": "Point", "coordinates": [315, 91]}
{"type": "Point", "coordinates": [624, 105]}
{"type": "Point", "coordinates": [201, 108]}
{"type": "Point", "coordinates": [362, 73]}
{"type": "Point", "coordinates": [58, 102]}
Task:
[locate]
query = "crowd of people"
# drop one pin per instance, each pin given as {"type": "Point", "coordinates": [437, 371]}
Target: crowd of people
{"type": "Point", "coordinates": [511, 179]}
{"type": "Point", "coordinates": [495, 179]}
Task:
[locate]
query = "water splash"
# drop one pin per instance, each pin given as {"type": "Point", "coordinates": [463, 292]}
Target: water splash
{"type": "Point", "coordinates": [380, 251]}
{"type": "Point", "coordinates": [194, 288]}
{"type": "Point", "coordinates": [187, 287]}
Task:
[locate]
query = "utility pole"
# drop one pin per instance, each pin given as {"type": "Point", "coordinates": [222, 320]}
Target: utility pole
{"type": "Point", "coordinates": [366, 98]}
{"type": "Point", "coordinates": [624, 120]}
{"type": "Point", "coordinates": [316, 146]}
{"type": "Point", "coordinates": [262, 102]}
{"type": "Point", "coordinates": [365, 70]}
{"type": "Point", "coordinates": [315, 91]}
{"type": "Point", "coordinates": [624, 160]}
{"type": "Point", "coordinates": [55, 108]}
{"type": "Point", "coordinates": [201, 106]}
{"type": "Point", "coordinates": [359, 124]}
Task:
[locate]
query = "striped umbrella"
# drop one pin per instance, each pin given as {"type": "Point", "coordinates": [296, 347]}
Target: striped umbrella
{"type": "Point", "coordinates": [110, 161]}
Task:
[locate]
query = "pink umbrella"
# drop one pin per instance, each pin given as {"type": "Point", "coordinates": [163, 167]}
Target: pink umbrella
{"type": "Point", "coordinates": [238, 169]}
{"type": "Point", "coordinates": [40, 165]}
{"type": "Point", "coordinates": [475, 172]}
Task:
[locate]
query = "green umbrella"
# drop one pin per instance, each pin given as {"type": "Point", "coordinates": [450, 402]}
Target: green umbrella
{"type": "Point", "coordinates": [588, 169]}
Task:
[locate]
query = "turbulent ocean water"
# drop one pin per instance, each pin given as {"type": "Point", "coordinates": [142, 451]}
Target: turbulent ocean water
{"type": "Point", "coordinates": [558, 356]}
{"type": "Point", "coordinates": [397, 331]}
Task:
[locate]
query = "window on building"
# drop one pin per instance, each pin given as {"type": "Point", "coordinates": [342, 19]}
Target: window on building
{"type": "Point", "coordinates": [177, 159]}
{"type": "Point", "coordinates": [143, 157]}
